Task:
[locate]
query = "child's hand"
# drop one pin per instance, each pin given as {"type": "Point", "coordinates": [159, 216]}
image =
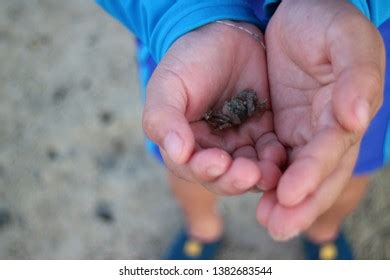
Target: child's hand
{"type": "Point", "coordinates": [201, 70]}
{"type": "Point", "coordinates": [326, 73]}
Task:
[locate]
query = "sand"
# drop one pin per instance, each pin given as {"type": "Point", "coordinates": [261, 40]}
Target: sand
{"type": "Point", "coordinates": [75, 181]}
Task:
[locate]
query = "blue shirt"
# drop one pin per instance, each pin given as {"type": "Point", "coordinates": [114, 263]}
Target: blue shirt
{"type": "Point", "coordinates": [159, 23]}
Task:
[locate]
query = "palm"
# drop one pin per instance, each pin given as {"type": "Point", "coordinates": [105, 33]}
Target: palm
{"type": "Point", "coordinates": [302, 84]}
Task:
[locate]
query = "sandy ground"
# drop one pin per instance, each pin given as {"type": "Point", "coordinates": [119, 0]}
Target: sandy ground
{"type": "Point", "coordinates": [71, 142]}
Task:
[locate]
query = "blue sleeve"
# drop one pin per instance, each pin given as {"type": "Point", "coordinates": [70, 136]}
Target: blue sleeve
{"type": "Point", "coordinates": [377, 11]}
{"type": "Point", "coordinates": [158, 23]}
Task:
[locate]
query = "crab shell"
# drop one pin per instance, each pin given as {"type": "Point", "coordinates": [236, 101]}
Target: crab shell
{"type": "Point", "coordinates": [235, 111]}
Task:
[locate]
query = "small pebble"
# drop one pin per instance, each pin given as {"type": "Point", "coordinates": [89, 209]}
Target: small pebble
{"type": "Point", "coordinates": [118, 147]}
{"type": "Point", "coordinates": [39, 41]}
{"type": "Point", "coordinates": [52, 154]}
{"type": "Point", "coordinates": [104, 212]}
{"type": "Point", "coordinates": [60, 94]}
{"type": "Point", "coordinates": [2, 170]}
{"type": "Point", "coordinates": [107, 162]}
{"type": "Point", "coordinates": [5, 217]}
{"type": "Point", "coordinates": [15, 12]}
{"type": "Point", "coordinates": [93, 39]}
{"type": "Point", "coordinates": [106, 117]}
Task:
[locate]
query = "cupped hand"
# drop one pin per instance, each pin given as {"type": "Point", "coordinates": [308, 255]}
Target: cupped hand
{"type": "Point", "coordinates": [200, 72]}
{"type": "Point", "coordinates": [326, 72]}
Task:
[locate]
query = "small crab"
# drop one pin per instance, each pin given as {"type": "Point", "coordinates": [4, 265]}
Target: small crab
{"type": "Point", "coordinates": [235, 111]}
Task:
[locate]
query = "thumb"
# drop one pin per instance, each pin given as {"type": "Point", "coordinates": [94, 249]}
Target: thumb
{"type": "Point", "coordinates": [164, 120]}
{"type": "Point", "coordinates": [358, 94]}
{"type": "Point", "coordinates": [358, 57]}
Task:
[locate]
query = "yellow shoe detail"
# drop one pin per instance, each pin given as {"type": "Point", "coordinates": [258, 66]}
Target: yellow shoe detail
{"type": "Point", "coordinates": [328, 252]}
{"type": "Point", "coordinates": [193, 248]}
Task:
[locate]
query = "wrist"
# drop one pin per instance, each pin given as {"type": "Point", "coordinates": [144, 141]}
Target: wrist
{"type": "Point", "coordinates": [186, 17]}
{"type": "Point", "coordinates": [245, 27]}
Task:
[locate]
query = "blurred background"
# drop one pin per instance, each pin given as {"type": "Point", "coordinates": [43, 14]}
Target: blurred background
{"type": "Point", "coordinates": [75, 181]}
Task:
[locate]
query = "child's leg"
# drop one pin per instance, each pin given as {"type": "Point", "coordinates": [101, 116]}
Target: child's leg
{"type": "Point", "coordinates": [327, 226]}
{"type": "Point", "coordinates": [199, 207]}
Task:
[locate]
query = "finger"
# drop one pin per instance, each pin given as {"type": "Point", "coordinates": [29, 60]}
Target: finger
{"type": "Point", "coordinates": [312, 164]}
{"type": "Point", "coordinates": [270, 175]}
{"type": "Point", "coordinates": [164, 118]}
{"type": "Point", "coordinates": [359, 62]}
{"type": "Point", "coordinates": [270, 172]}
{"type": "Point", "coordinates": [269, 148]}
{"type": "Point", "coordinates": [286, 222]}
{"type": "Point", "coordinates": [264, 209]}
{"type": "Point", "coordinates": [272, 157]}
{"type": "Point", "coordinates": [207, 165]}
{"type": "Point", "coordinates": [241, 176]}
{"type": "Point", "coordinates": [246, 152]}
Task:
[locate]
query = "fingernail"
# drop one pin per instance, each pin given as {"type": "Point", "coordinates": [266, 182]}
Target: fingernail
{"type": "Point", "coordinates": [215, 171]}
{"type": "Point", "coordinates": [260, 187]}
{"type": "Point", "coordinates": [242, 185]}
{"type": "Point", "coordinates": [295, 200]}
{"type": "Point", "coordinates": [173, 145]}
{"type": "Point", "coordinates": [256, 189]}
{"type": "Point", "coordinates": [362, 112]}
{"type": "Point", "coordinates": [284, 237]}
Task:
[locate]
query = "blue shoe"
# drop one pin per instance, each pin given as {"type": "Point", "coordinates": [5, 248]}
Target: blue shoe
{"type": "Point", "coordinates": [185, 247]}
{"type": "Point", "coordinates": [339, 249]}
